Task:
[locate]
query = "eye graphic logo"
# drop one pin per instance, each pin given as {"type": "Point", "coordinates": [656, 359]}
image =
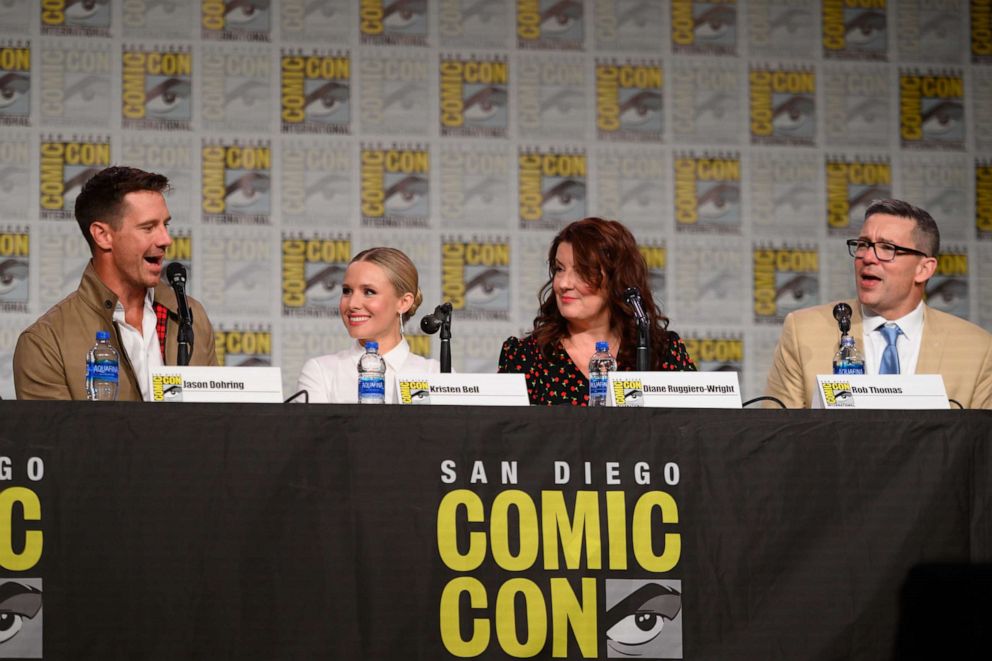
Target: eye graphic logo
{"type": "Point", "coordinates": [73, 18]}
{"type": "Point", "coordinates": [552, 187]}
{"type": "Point", "coordinates": [704, 28]}
{"type": "Point", "coordinates": [838, 394]}
{"type": "Point", "coordinates": [643, 619]}
{"type": "Point", "coordinates": [14, 269]}
{"type": "Point", "coordinates": [65, 167]}
{"type": "Point", "coordinates": [236, 183]}
{"type": "Point", "coordinates": [708, 193]}
{"type": "Point", "coordinates": [628, 392]}
{"type": "Point", "coordinates": [550, 24]}
{"type": "Point", "coordinates": [475, 277]}
{"type": "Point", "coordinates": [415, 392]}
{"type": "Point", "coordinates": [15, 85]}
{"type": "Point", "coordinates": [855, 33]}
{"type": "Point", "coordinates": [316, 93]}
{"type": "Point", "coordinates": [716, 354]}
{"type": "Point", "coordinates": [240, 20]}
{"type": "Point", "coordinates": [474, 97]}
{"type": "Point", "coordinates": [851, 186]}
{"type": "Point", "coordinates": [21, 625]}
{"type": "Point", "coordinates": [243, 348]}
{"type": "Point", "coordinates": [167, 388]}
{"type": "Point", "coordinates": [312, 275]}
{"type": "Point", "coordinates": [395, 186]}
{"type": "Point", "coordinates": [629, 26]}
{"type": "Point", "coordinates": [785, 279]}
{"type": "Point", "coordinates": [783, 107]}
{"type": "Point", "coordinates": [947, 290]}
{"type": "Point", "coordinates": [156, 89]}
{"type": "Point", "coordinates": [474, 184]}
{"type": "Point", "coordinates": [393, 22]}
{"type": "Point", "coordinates": [629, 101]}
{"type": "Point", "coordinates": [316, 183]}
{"type": "Point", "coordinates": [551, 97]}
{"type": "Point", "coordinates": [931, 110]}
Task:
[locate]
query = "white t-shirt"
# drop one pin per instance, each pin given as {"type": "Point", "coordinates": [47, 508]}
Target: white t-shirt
{"type": "Point", "coordinates": [142, 347]}
{"type": "Point", "coordinates": [334, 378]}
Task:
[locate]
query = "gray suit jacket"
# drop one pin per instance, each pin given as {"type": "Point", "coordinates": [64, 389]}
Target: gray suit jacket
{"type": "Point", "coordinates": [956, 349]}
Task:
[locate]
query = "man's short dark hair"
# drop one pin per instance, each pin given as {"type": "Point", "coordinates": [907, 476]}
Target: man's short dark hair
{"type": "Point", "coordinates": [925, 234]}
{"type": "Point", "coordinates": [102, 196]}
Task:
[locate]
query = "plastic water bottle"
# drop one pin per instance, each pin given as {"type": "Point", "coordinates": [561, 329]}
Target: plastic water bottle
{"type": "Point", "coordinates": [371, 376]}
{"type": "Point", "coordinates": [102, 363]}
{"type": "Point", "coordinates": [600, 366]}
{"type": "Point", "coordinates": [848, 360]}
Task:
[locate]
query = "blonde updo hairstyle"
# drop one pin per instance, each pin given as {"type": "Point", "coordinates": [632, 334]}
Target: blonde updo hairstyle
{"type": "Point", "coordinates": [400, 271]}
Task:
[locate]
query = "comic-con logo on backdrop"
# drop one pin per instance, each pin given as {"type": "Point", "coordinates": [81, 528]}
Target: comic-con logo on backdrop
{"type": "Point", "coordinates": [156, 88]}
{"type": "Point", "coordinates": [941, 185]}
{"type": "Point", "coordinates": [475, 277]}
{"type": "Point", "coordinates": [237, 181]}
{"type": "Point", "coordinates": [15, 83]}
{"type": "Point", "coordinates": [705, 100]}
{"type": "Point", "coordinates": [243, 345]}
{"type": "Point", "coordinates": [313, 269]}
{"type": "Point", "coordinates": [704, 28]}
{"type": "Point", "coordinates": [15, 261]}
{"type": "Point", "coordinates": [785, 279]}
{"type": "Point", "coordinates": [981, 31]}
{"type": "Point", "coordinates": [552, 558]}
{"type": "Point", "coordinates": [552, 187]}
{"type": "Point", "coordinates": [947, 290]}
{"type": "Point", "coordinates": [852, 183]}
{"type": "Point", "coordinates": [235, 87]}
{"type": "Point", "coordinates": [550, 24]}
{"type": "Point", "coordinates": [244, 20]}
{"type": "Point", "coordinates": [551, 97]}
{"type": "Point", "coordinates": [395, 185]}
{"type": "Point", "coordinates": [716, 353]}
{"type": "Point", "coordinates": [394, 96]}
{"type": "Point", "coordinates": [15, 172]}
{"type": "Point", "coordinates": [330, 21]}
{"type": "Point", "coordinates": [983, 199]}
{"type": "Point", "coordinates": [931, 110]}
{"type": "Point", "coordinates": [393, 22]}
{"type": "Point", "coordinates": [780, 27]}
{"type": "Point", "coordinates": [629, 100]}
{"type": "Point", "coordinates": [856, 104]}
{"type": "Point", "coordinates": [74, 18]}
{"type": "Point", "coordinates": [474, 95]}
{"type": "Point", "coordinates": [855, 30]}
{"type": "Point", "coordinates": [75, 83]}
{"type": "Point", "coordinates": [628, 26]}
{"type": "Point", "coordinates": [317, 182]}
{"type": "Point", "coordinates": [628, 184]}
{"type": "Point", "coordinates": [171, 155]}
{"type": "Point", "coordinates": [655, 255]}
{"type": "Point", "coordinates": [315, 92]}
{"type": "Point", "coordinates": [783, 106]}
{"type": "Point", "coordinates": [474, 24]}
{"type": "Point", "coordinates": [708, 192]}
{"type": "Point", "coordinates": [157, 19]}
{"type": "Point", "coordinates": [474, 184]}
{"type": "Point", "coordinates": [65, 166]}
{"type": "Point", "coordinates": [785, 190]}
{"type": "Point", "coordinates": [181, 252]}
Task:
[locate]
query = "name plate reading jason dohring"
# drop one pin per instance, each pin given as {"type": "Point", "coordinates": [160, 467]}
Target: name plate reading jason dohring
{"type": "Point", "coordinates": [882, 391]}
{"type": "Point", "coordinates": [468, 389]}
{"type": "Point", "coordinates": [691, 390]}
{"type": "Point", "coordinates": [216, 384]}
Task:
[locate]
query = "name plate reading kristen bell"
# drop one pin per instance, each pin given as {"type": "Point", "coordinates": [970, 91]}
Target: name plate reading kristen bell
{"type": "Point", "coordinates": [216, 384]}
{"type": "Point", "coordinates": [690, 390]}
{"type": "Point", "coordinates": [466, 389]}
{"type": "Point", "coordinates": [882, 391]}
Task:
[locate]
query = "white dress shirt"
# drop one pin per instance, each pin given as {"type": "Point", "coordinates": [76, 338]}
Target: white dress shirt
{"type": "Point", "coordinates": [142, 347]}
{"type": "Point", "coordinates": [334, 378]}
{"type": "Point", "coordinates": [907, 344]}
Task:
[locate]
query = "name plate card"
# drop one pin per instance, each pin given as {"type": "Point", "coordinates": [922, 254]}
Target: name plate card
{"type": "Point", "coordinates": [216, 384]}
{"type": "Point", "coordinates": [883, 391]}
{"type": "Point", "coordinates": [466, 389]}
{"type": "Point", "coordinates": [699, 390]}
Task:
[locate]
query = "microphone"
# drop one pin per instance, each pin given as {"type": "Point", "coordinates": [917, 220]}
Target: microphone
{"type": "Point", "coordinates": [633, 297]}
{"type": "Point", "coordinates": [175, 273]}
{"type": "Point", "coordinates": [431, 323]}
{"type": "Point", "coordinates": [842, 313]}
{"type": "Point", "coordinates": [643, 351]}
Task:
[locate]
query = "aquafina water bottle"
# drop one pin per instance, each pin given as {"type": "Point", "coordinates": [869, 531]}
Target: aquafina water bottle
{"type": "Point", "coordinates": [102, 363]}
{"type": "Point", "coordinates": [371, 376]}
{"type": "Point", "coordinates": [848, 359]}
{"type": "Point", "coordinates": [600, 366]}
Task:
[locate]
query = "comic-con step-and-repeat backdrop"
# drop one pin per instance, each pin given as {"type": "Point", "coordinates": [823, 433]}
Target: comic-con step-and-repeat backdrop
{"type": "Point", "coordinates": [739, 140]}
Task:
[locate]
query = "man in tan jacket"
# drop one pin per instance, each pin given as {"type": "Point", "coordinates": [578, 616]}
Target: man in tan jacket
{"type": "Point", "coordinates": [124, 218]}
{"type": "Point", "coordinates": [894, 256]}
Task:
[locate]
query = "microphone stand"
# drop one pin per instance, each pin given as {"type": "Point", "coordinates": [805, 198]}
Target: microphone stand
{"type": "Point", "coordinates": [446, 343]}
{"type": "Point", "coordinates": [643, 345]}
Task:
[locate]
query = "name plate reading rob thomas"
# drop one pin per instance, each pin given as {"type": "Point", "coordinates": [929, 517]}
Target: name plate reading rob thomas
{"type": "Point", "coordinates": [216, 384]}
{"type": "Point", "coordinates": [881, 391]}
{"type": "Point", "coordinates": [468, 389]}
{"type": "Point", "coordinates": [691, 390]}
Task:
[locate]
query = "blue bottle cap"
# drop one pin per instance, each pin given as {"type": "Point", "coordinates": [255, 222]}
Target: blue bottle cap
{"type": "Point", "coordinates": [371, 346]}
{"type": "Point", "coordinates": [602, 347]}
{"type": "Point", "coordinates": [102, 335]}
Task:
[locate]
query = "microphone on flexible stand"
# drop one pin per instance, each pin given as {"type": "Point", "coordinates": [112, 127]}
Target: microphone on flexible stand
{"type": "Point", "coordinates": [842, 313]}
{"type": "Point", "coordinates": [176, 275]}
{"type": "Point", "coordinates": [633, 297]}
{"type": "Point", "coordinates": [440, 319]}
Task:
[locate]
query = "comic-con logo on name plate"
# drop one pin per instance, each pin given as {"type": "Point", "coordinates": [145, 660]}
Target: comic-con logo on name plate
{"type": "Point", "coordinates": [474, 96]}
{"type": "Point", "coordinates": [708, 192]}
{"type": "Point", "coordinates": [629, 100]}
{"type": "Point", "coordinates": [90, 18]}
{"type": "Point", "coordinates": [312, 274]}
{"type": "Point", "coordinates": [156, 88]}
{"type": "Point", "coordinates": [237, 182]}
{"type": "Point", "coordinates": [65, 166]}
{"type": "Point", "coordinates": [475, 277]}
{"type": "Point", "coordinates": [15, 84]}
{"type": "Point", "coordinates": [855, 30]}
{"type": "Point", "coordinates": [395, 186]}
{"type": "Point", "coordinates": [785, 279]}
{"type": "Point", "coordinates": [704, 28]}
{"type": "Point", "coordinates": [393, 22]}
{"type": "Point", "coordinates": [724, 353]}
{"type": "Point", "coordinates": [783, 106]}
{"type": "Point", "coordinates": [242, 20]}
{"type": "Point", "coordinates": [167, 388]}
{"type": "Point", "coordinates": [947, 290]}
{"type": "Point", "coordinates": [243, 347]}
{"type": "Point", "coordinates": [552, 187]}
{"type": "Point", "coordinates": [837, 394]}
{"type": "Point", "coordinates": [550, 24]}
{"type": "Point", "coordinates": [316, 92]}
{"type": "Point", "coordinates": [983, 198]}
{"type": "Point", "coordinates": [628, 392]}
{"type": "Point", "coordinates": [852, 184]}
{"type": "Point", "coordinates": [415, 392]}
{"type": "Point", "coordinates": [15, 260]}
{"type": "Point", "coordinates": [931, 110]}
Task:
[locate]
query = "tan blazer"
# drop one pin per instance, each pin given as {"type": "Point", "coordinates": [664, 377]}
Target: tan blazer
{"type": "Point", "coordinates": [956, 349]}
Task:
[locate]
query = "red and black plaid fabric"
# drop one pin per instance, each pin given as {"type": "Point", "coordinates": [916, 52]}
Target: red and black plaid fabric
{"type": "Point", "coordinates": [161, 317]}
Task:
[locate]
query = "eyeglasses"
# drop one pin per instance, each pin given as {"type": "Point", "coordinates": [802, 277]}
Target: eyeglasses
{"type": "Point", "coordinates": [885, 252]}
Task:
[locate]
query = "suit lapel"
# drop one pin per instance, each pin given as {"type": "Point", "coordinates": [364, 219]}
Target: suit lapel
{"type": "Point", "coordinates": [931, 345]}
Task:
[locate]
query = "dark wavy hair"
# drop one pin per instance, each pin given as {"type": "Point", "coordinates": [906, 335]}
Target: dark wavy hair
{"type": "Point", "coordinates": [607, 258]}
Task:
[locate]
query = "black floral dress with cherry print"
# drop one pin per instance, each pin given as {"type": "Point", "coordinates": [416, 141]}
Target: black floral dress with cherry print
{"type": "Point", "coordinates": [556, 380]}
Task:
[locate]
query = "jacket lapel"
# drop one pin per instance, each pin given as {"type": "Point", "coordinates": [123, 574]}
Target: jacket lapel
{"type": "Point", "coordinates": [931, 345]}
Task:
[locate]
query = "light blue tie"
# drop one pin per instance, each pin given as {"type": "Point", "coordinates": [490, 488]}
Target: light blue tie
{"type": "Point", "coordinates": [890, 357]}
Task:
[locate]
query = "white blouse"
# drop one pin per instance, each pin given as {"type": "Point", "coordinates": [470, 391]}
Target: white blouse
{"type": "Point", "coordinates": [334, 378]}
